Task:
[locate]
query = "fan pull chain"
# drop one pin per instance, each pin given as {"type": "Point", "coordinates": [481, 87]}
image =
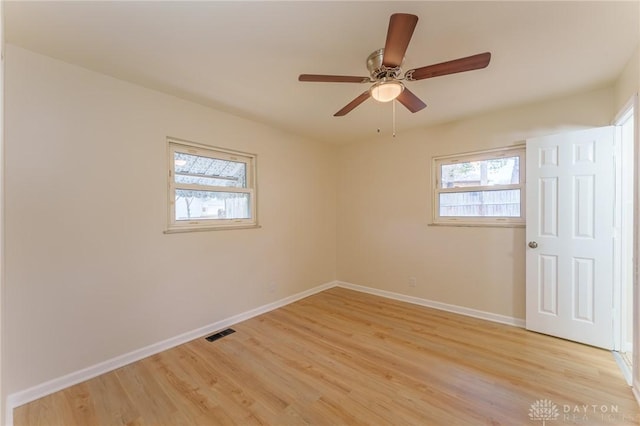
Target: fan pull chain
{"type": "Point", "coordinates": [394, 118]}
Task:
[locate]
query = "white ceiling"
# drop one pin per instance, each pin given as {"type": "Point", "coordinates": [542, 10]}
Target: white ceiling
{"type": "Point", "coordinates": [244, 57]}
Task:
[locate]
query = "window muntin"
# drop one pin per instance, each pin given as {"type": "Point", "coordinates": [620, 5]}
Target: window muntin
{"type": "Point", "coordinates": [210, 188]}
{"type": "Point", "coordinates": [480, 188]}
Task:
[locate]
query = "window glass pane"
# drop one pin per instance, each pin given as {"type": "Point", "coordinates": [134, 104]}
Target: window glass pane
{"type": "Point", "coordinates": [504, 203]}
{"type": "Point", "coordinates": [496, 171]}
{"type": "Point", "coordinates": [198, 170]}
{"type": "Point", "coordinates": [205, 205]}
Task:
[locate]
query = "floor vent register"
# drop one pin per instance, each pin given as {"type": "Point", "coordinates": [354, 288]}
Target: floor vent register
{"type": "Point", "coordinates": [220, 334]}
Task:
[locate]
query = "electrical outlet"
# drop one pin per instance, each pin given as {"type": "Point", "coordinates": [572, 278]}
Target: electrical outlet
{"type": "Point", "coordinates": [412, 282]}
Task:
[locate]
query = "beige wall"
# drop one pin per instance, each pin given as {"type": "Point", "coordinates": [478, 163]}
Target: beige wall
{"type": "Point", "coordinates": [627, 84]}
{"type": "Point", "coordinates": [89, 273]}
{"type": "Point", "coordinates": [384, 209]}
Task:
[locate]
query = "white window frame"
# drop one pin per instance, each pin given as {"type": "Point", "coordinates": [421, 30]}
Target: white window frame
{"type": "Point", "coordinates": [438, 162]}
{"type": "Point", "coordinates": [250, 160]}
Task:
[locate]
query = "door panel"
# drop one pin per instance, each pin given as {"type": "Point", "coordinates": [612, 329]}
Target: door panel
{"type": "Point", "coordinates": [548, 208]}
{"type": "Point", "coordinates": [548, 284]}
{"type": "Point", "coordinates": [570, 218]}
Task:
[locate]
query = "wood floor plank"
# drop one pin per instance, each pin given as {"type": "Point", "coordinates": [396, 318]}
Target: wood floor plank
{"type": "Point", "coordinates": [342, 357]}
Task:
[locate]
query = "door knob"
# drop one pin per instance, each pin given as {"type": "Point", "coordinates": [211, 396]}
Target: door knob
{"type": "Point", "coordinates": [533, 244]}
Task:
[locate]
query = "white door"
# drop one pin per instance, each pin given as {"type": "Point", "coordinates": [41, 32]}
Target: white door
{"type": "Point", "coordinates": [569, 260]}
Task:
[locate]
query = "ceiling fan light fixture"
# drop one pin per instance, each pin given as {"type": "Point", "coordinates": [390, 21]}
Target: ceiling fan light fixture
{"type": "Point", "coordinates": [386, 91]}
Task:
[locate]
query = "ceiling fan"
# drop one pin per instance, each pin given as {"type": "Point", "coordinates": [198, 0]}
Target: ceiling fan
{"type": "Point", "coordinates": [385, 71]}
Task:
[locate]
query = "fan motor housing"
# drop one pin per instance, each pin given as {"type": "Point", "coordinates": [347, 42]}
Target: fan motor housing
{"type": "Point", "coordinates": [377, 70]}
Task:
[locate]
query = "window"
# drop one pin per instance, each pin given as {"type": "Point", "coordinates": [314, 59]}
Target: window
{"type": "Point", "coordinates": [480, 188]}
{"type": "Point", "coordinates": [210, 188]}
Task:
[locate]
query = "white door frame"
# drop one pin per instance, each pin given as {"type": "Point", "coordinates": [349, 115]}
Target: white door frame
{"type": "Point", "coordinates": [621, 228]}
{"type": "Point", "coordinates": [636, 262]}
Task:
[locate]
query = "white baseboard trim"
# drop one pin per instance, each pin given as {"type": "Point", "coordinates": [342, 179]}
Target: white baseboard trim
{"type": "Point", "coordinates": [489, 316]}
{"type": "Point", "coordinates": [636, 391]}
{"type": "Point", "coordinates": [23, 397]}
{"type": "Point", "coordinates": [624, 368]}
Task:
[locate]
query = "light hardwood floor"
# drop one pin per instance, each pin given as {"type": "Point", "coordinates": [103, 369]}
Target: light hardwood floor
{"type": "Point", "coordinates": [344, 357]}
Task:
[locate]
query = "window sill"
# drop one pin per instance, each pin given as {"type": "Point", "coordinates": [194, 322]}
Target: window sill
{"type": "Point", "coordinates": [212, 228]}
{"type": "Point", "coordinates": [481, 225]}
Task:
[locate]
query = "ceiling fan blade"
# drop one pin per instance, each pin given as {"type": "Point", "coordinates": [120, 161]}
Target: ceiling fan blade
{"type": "Point", "coordinates": [354, 103]}
{"type": "Point", "coordinates": [332, 78]}
{"type": "Point", "coordinates": [469, 63]}
{"type": "Point", "coordinates": [401, 26]}
{"type": "Point", "coordinates": [410, 100]}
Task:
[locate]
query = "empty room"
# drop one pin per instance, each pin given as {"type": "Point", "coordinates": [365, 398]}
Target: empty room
{"type": "Point", "coordinates": [319, 213]}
